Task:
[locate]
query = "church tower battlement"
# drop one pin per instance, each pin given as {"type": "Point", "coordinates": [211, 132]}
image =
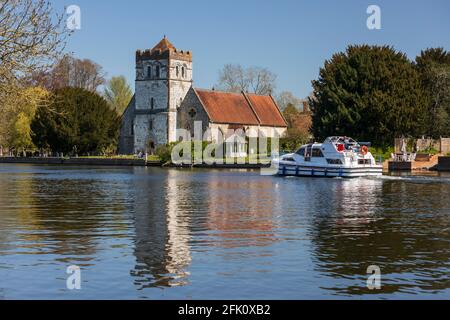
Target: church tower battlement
{"type": "Point", "coordinates": [163, 78]}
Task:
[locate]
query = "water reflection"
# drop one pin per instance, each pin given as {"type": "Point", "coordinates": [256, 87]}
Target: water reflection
{"type": "Point", "coordinates": [149, 232]}
{"type": "Point", "coordinates": [241, 212]}
{"type": "Point", "coordinates": [384, 223]}
{"type": "Point", "coordinates": [162, 232]}
{"type": "Point", "coordinates": [51, 211]}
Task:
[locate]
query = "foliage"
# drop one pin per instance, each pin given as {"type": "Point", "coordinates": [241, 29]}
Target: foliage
{"type": "Point", "coordinates": [287, 98]}
{"type": "Point", "coordinates": [22, 132]}
{"type": "Point", "coordinates": [235, 78]}
{"type": "Point", "coordinates": [383, 152]}
{"type": "Point", "coordinates": [430, 150]}
{"type": "Point", "coordinates": [76, 118]}
{"type": "Point", "coordinates": [16, 130]}
{"type": "Point", "coordinates": [118, 94]}
{"type": "Point", "coordinates": [298, 132]}
{"type": "Point", "coordinates": [31, 38]}
{"type": "Point", "coordinates": [434, 67]}
{"type": "Point", "coordinates": [370, 93]}
{"type": "Point", "coordinates": [70, 72]}
{"type": "Point", "coordinates": [293, 140]}
{"type": "Point", "coordinates": [164, 152]}
{"type": "Point", "coordinates": [290, 113]}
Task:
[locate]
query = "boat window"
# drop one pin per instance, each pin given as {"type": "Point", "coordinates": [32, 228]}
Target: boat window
{"type": "Point", "coordinates": [308, 153]}
{"type": "Point", "coordinates": [334, 161]}
{"type": "Point", "coordinates": [288, 159]}
{"type": "Point", "coordinates": [364, 161]}
{"type": "Point", "coordinates": [301, 152]}
{"type": "Point", "coordinates": [316, 152]}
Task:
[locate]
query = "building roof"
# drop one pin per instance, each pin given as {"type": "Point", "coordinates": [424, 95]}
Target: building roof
{"type": "Point", "coordinates": [240, 108]}
{"type": "Point", "coordinates": [267, 110]}
{"type": "Point", "coordinates": [163, 45]}
{"type": "Point", "coordinates": [163, 50]}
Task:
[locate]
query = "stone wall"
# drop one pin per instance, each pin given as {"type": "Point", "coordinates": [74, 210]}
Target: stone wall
{"type": "Point", "coordinates": [441, 145]}
{"type": "Point", "coordinates": [424, 144]}
{"type": "Point", "coordinates": [179, 86]}
{"type": "Point", "coordinates": [157, 121]}
{"type": "Point", "coordinates": [445, 145]}
{"type": "Point", "coordinates": [190, 105]}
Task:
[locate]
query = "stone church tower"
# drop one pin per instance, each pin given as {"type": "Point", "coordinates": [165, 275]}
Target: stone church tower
{"type": "Point", "coordinates": [163, 78]}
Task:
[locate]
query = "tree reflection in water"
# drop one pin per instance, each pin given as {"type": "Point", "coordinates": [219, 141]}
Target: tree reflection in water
{"type": "Point", "coordinates": [384, 223]}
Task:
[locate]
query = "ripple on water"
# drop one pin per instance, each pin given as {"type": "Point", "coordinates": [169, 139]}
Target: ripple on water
{"type": "Point", "coordinates": [152, 233]}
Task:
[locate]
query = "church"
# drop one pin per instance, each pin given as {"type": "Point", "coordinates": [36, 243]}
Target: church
{"type": "Point", "coordinates": [166, 100]}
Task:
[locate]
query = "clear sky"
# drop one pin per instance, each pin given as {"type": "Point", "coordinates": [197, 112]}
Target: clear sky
{"type": "Point", "coordinates": [290, 38]}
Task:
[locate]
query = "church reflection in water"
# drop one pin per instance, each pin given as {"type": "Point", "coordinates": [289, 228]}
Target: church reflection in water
{"type": "Point", "coordinates": [162, 233]}
{"type": "Point", "coordinates": [172, 211]}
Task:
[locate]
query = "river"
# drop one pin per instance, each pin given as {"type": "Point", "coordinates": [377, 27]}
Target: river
{"type": "Point", "coordinates": [152, 233]}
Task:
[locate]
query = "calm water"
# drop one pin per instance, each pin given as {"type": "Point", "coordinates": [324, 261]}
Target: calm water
{"type": "Point", "coordinates": [202, 234]}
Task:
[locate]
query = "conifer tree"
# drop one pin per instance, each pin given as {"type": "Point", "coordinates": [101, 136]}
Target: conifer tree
{"type": "Point", "coordinates": [370, 93]}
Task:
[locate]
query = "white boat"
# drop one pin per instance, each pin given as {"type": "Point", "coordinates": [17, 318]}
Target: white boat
{"type": "Point", "coordinates": [335, 157]}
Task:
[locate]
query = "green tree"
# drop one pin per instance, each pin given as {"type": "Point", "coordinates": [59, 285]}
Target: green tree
{"type": "Point", "coordinates": [434, 67]}
{"type": "Point", "coordinates": [76, 118]}
{"type": "Point", "coordinates": [22, 133]}
{"type": "Point", "coordinates": [370, 93]}
{"type": "Point", "coordinates": [17, 117]}
{"type": "Point", "coordinates": [32, 37]}
{"type": "Point", "coordinates": [118, 93]}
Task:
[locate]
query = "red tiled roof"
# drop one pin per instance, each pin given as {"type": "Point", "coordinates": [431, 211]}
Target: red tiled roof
{"type": "Point", "coordinates": [225, 107]}
{"type": "Point", "coordinates": [240, 108]}
{"type": "Point", "coordinates": [267, 111]}
{"type": "Point", "coordinates": [163, 45]}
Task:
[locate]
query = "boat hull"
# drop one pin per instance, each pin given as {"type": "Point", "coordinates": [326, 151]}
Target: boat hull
{"type": "Point", "coordinates": [317, 171]}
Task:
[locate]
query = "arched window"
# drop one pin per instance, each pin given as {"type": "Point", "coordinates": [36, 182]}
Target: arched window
{"type": "Point", "coordinates": [183, 72]}
{"type": "Point", "coordinates": [152, 103]}
{"type": "Point", "coordinates": [178, 71]}
{"type": "Point", "coordinates": [158, 72]}
{"type": "Point", "coordinates": [132, 128]}
{"type": "Point", "coordinates": [149, 71]}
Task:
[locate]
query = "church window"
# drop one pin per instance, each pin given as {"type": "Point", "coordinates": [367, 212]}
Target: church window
{"type": "Point", "coordinates": [150, 125]}
{"type": "Point", "coordinates": [152, 103]}
{"type": "Point", "coordinates": [183, 72]}
{"type": "Point", "coordinates": [158, 71]}
{"type": "Point", "coordinates": [149, 71]}
{"type": "Point", "coordinates": [192, 113]}
{"type": "Point", "coordinates": [178, 71]}
{"type": "Point", "coordinates": [132, 128]}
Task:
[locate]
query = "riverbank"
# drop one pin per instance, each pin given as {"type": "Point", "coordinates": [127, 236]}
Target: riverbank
{"type": "Point", "coordinates": [135, 162]}
{"type": "Point", "coordinates": [443, 164]}
{"type": "Point", "coordinates": [82, 161]}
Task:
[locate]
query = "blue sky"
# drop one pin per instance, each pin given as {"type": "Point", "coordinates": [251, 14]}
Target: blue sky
{"type": "Point", "coordinates": [291, 38]}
